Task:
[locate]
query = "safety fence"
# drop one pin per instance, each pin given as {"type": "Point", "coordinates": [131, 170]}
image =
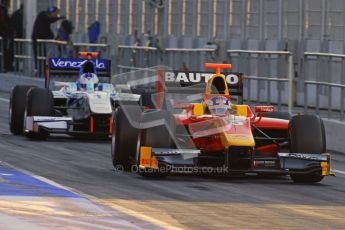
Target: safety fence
{"type": "Point", "coordinates": [176, 58]}
{"type": "Point", "coordinates": [322, 86]}
{"type": "Point", "coordinates": [228, 19]}
{"type": "Point", "coordinates": [271, 76]}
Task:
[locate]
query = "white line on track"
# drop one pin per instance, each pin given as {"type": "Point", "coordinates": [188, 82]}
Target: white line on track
{"type": "Point", "coordinates": [4, 99]}
{"type": "Point", "coordinates": [338, 171]}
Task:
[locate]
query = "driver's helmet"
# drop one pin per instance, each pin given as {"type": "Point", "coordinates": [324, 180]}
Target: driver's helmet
{"type": "Point", "coordinates": [88, 82]}
{"type": "Point", "coordinates": [218, 105]}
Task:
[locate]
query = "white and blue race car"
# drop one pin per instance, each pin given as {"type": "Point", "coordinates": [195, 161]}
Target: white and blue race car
{"type": "Point", "coordinates": [83, 107]}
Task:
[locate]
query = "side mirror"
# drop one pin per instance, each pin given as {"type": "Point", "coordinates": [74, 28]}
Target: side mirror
{"type": "Point", "coordinates": [261, 109]}
{"type": "Point", "coordinates": [180, 105]}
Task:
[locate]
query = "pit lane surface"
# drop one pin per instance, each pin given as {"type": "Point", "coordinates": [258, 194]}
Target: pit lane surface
{"type": "Point", "coordinates": [175, 202]}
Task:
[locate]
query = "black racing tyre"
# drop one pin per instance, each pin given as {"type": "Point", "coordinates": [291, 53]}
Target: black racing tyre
{"type": "Point", "coordinates": [307, 135]}
{"type": "Point", "coordinates": [159, 135]}
{"type": "Point", "coordinates": [40, 102]}
{"type": "Point", "coordinates": [126, 122]}
{"type": "Point", "coordinates": [17, 108]}
{"type": "Point", "coordinates": [279, 115]}
{"type": "Point", "coordinates": [160, 131]}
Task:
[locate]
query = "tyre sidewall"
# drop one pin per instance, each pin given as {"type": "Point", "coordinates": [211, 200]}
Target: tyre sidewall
{"type": "Point", "coordinates": [125, 135]}
{"type": "Point", "coordinates": [307, 135]}
{"type": "Point", "coordinates": [17, 106]}
{"type": "Point", "coordinates": [40, 102]}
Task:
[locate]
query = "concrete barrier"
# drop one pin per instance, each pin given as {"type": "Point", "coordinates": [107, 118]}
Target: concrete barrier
{"type": "Point", "coordinates": [335, 135]}
{"type": "Point", "coordinates": [9, 80]}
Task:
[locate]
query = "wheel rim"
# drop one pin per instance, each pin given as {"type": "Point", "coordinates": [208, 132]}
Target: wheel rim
{"type": "Point", "coordinates": [113, 139]}
{"type": "Point", "coordinates": [24, 121]}
{"type": "Point", "coordinates": [10, 113]}
{"type": "Point", "coordinates": [10, 109]}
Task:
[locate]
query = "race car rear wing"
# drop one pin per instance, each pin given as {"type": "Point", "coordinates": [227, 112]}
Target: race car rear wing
{"type": "Point", "coordinates": [180, 82]}
{"type": "Point", "coordinates": [71, 67]}
{"type": "Point", "coordinates": [176, 81]}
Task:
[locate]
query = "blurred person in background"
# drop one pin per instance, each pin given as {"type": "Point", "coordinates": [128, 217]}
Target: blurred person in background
{"type": "Point", "coordinates": [136, 42]}
{"type": "Point", "coordinates": [17, 20]}
{"type": "Point", "coordinates": [42, 30]}
{"type": "Point", "coordinates": [184, 67]}
{"type": "Point", "coordinates": [6, 34]}
{"type": "Point", "coordinates": [63, 34]}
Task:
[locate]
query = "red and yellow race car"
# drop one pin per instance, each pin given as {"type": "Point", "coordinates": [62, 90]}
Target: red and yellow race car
{"type": "Point", "coordinates": [194, 131]}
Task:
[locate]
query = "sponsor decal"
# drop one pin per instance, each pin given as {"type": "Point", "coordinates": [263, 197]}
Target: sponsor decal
{"type": "Point", "coordinates": [76, 63]}
{"type": "Point", "coordinates": [161, 151]}
{"type": "Point", "coordinates": [263, 108]}
{"type": "Point", "coordinates": [197, 77]}
{"type": "Point", "coordinates": [304, 156]}
{"type": "Point", "coordinates": [240, 136]}
{"type": "Point", "coordinates": [50, 119]}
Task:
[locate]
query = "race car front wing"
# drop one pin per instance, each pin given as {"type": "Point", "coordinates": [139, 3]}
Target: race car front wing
{"type": "Point", "coordinates": [33, 124]}
{"type": "Point", "coordinates": [283, 164]}
{"type": "Point", "coordinates": [60, 125]}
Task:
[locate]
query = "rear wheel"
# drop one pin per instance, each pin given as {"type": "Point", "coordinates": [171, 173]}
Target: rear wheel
{"type": "Point", "coordinates": [126, 121]}
{"type": "Point", "coordinates": [307, 135]}
{"type": "Point", "coordinates": [17, 108]}
{"type": "Point", "coordinates": [157, 136]}
{"type": "Point", "coordinates": [40, 102]}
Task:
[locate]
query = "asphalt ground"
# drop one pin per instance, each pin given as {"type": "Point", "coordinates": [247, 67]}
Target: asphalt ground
{"type": "Point", "coordinates": [116, 199]}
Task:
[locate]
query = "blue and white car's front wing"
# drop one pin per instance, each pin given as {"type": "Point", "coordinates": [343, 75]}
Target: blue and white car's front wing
{"type": "Point", "coordinates": [33, 124]}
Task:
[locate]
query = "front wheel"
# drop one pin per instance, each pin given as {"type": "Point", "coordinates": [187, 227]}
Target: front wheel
{"type": "Point", "coordinates": [40, 102]}
{"type": "Point", "coordinates": [307, 135]}
{"type": "Point", "coordinates": [17, 108]}
{"type": "Point", "coordinates": [126, 121]}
